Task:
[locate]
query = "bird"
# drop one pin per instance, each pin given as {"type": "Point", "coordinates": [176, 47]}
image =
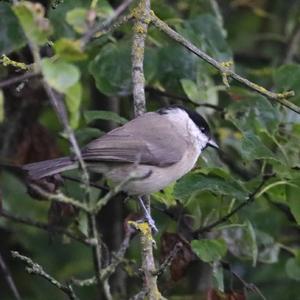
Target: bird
{"type": "Point", "coordinates": [159, 147]}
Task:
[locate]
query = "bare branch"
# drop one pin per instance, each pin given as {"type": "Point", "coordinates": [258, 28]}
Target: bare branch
{"type": "Point", "coordinates": [17, 79]}
{"type": "Point", "coordinates": [44, 226]}
{"type": "Point", "coordinates": [224, 70]}
{"type": "Point", "coordinates": [36, 269]}
{"type": "Point", "coordinates": [109, 23]}
{"type": "Point", "coordinates": [10, 282]}
{"type": "Point", "coordinates": [225, 218]}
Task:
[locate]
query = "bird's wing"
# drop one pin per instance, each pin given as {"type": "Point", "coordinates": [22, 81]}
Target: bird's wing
{"type": "Point", "coordinates": [145, 140]}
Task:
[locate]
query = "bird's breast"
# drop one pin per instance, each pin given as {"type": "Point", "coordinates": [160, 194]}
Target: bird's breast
{"type": "Point", "coordinates": [159, 177]}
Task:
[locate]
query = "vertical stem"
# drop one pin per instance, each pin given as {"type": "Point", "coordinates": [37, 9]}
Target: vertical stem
{"type": "Point", "coordinates": [142, 19]}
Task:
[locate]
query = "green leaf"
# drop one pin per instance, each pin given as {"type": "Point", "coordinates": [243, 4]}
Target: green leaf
{"type": "Point", "coordinates": [252, 148]}
{"type": "Point", "coordinates": [254, 112]}
{"type": "Point", "coordinates": [11, 34]}
{"type": "Point", "coordinates": [77, 19]}
{"type": "Point", "coordinates": [209, 250]}
{"type": "Point", "coordinates": [191, 89]}
{"type": "Point", "coordinates": [111, 69]}
{"type": "Point", "coordinates": [294, 201]}
{"type": "Point", "coordinates": [218, 277]}
{"type": "Point", "coordinates": [205, 31]}
{"type": "Point", "coordinates": [292, 268]}
{"type": "Point", "coordinates": [195, 183]}
{"type": "Point", "coordinates": [1, 106]}
{"type": "Point", "coordinates": [73, 101]}
{"type": "Point", "coordinates": [59, 74]}
{"type": "Point", "coordinates": [31, 16]}
{"type": "Point", "coordinates": [167, 196]}
{"type": "Point", "coordinates": [92, 115]}
{"type": "Point", "coordinates": [251, 236]}
{"type": "Point", "coordinates": [69, 50]}
{"type": "Point", "coordinates": [85, 135]}
{"type": "Point", "coordinates": [287, 78]}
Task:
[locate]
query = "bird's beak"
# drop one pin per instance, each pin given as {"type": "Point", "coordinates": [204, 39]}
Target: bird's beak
{"type": "Point", "coordinates": [213, 144]}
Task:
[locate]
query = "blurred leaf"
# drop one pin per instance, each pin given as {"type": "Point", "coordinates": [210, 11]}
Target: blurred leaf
{"type": "Point", "coordinates": [205, 31]}
{"type": "Point", "coordinates": [191, 89]}
{"type": "Point", "coordinates": [292, 268]}
{"type": "Point", "coordinates": [195, 183]}
{"type": "Point", "coordinates": [174, 63]}
{"type": "Point", "coordinates": [251, 235]}
{"type": "Point", "coordinates": [85, 135]}
{"type": "Point", "coordinates": [218, 276]}
{"type": "Point", "coordinates": [254, 112]}
{"type": "Point", "coordinates": [209, 250]}
{"type": "Point", "coordinates": [287, 78]}
{"type": "Point", "coordinates": [252, 148]}
{"type": "Point", "coordinates": [73, 101]}
{"type": "Point", "coordinates": [294, 201]}
{"type": "Point", "coordinates": [11, 34]}
{"type": "Point", "coordinates": [183, 257]}
{"type": "Point", "coordinates": [111, 69]}
{"type": "Point", "coordinates": [268, 248]}
{"type": "Point", "coordinates": [92, 115]}
{"type": "Point", "coordinates": [77, 19]}
{"type": "Point", "coordinates": [59, 74]}
{"type": "Point", "coordinates": [69, 50]}
{"type": "Point", "coordinates": [166, 196]}
{"type": "Point", "coordinates": [31, 17]}
{"type": "Point", "coordinates": [1, 106]}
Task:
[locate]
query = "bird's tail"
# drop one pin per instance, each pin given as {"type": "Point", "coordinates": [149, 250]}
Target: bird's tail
{"type": "Point", "coordinates": [50, 167]}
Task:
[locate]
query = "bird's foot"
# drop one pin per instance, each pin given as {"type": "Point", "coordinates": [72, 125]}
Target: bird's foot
{"type": "Point", "coordinates": [147, 216]}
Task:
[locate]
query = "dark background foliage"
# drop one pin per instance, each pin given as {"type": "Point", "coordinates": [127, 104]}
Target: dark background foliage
{"type": "Point", "coordinates": [259, 245]}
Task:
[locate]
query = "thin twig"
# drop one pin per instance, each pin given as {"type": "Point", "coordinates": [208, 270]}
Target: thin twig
{"type": "Point", "coordinates": [44, 226]}
{"type": "Point", "coordinates": [106, 24]}
{"type": "Point", "coordinates": [183, 98]}
{"type": "Point", "coordinates": [59, 197]}
{"type": "Point", "coordinates": [225, 218]}
{"type": "Point", "coordinates": [17, 79]}
{"type": "Point", "coordinates": [168, 259]}
{"type": "Point", "coordinates": [36, 269]}
{"type": "Point", "coordinates": [225, 71]}
{"type": "Point", "coordinates": [7, 276]}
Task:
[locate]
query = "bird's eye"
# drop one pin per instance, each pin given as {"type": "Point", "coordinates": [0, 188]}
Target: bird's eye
{"type": "Point", "coordinates": [202, 128]}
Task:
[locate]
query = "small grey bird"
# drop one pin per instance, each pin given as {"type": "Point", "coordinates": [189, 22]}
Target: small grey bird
{"type": "Point", "coordinates": [164, 144]}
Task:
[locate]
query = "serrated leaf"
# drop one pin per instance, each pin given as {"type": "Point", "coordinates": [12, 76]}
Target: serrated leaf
{"type": "Point", "coordinates": [69, 50]}
{"type": "Point", "coordinates": [11, 33]}
{"type": "Point", "coordinates": [209, 250]}
{"type": "Point", "coordinates": [73, 101]}
{"type": "Point", "coordinates": [92, 115]}
{"type": "Point", "coordinates": [31, 16]}
{"type": "Point", "coordinates": [195, 183]}
{"type": "Point", "coordinates": [59, 74]}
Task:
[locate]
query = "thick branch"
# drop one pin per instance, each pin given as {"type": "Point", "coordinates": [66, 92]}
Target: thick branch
{"type": "Point", "coordinates": [225, 71]}
{"type": "Point", "coordinates": [140, 28]}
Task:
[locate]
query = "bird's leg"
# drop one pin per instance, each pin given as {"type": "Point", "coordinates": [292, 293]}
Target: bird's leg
{"type": "Point", "coordinates": [147, 215]}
